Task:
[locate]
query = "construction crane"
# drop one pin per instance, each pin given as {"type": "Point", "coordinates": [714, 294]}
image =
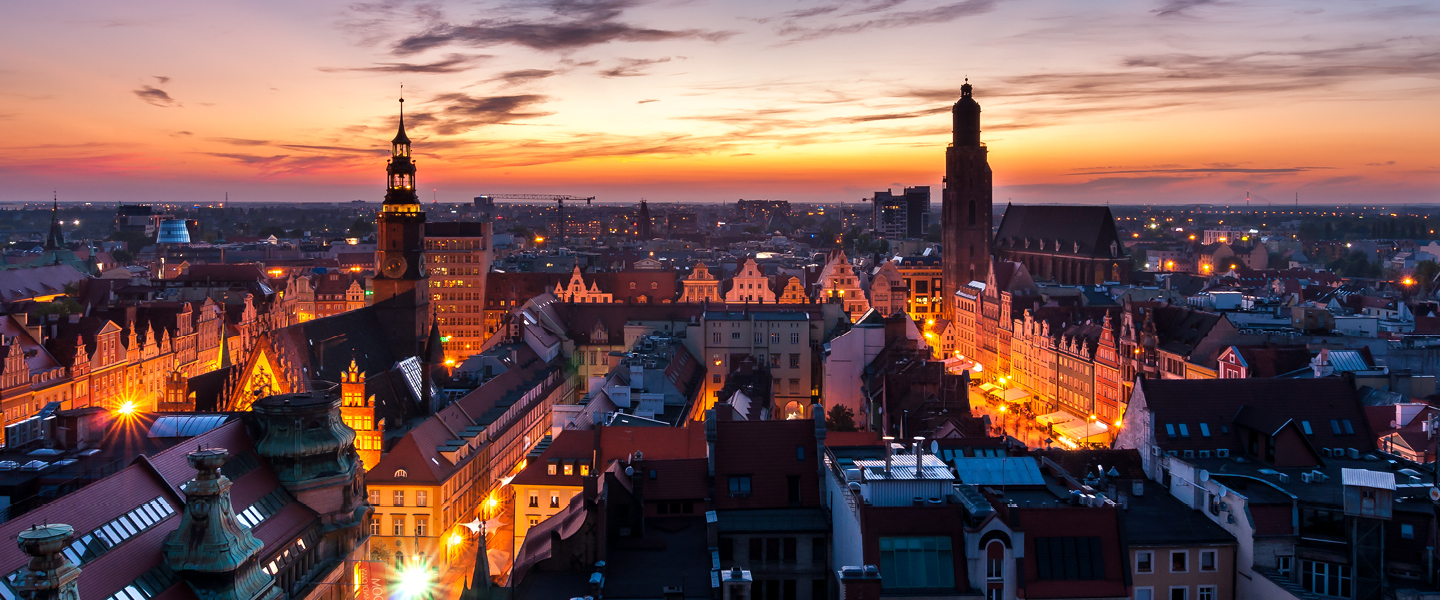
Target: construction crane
{"type": "Point", "coordinates": [558, 198]}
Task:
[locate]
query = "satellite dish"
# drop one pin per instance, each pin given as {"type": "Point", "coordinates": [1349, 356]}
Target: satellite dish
{"type": "Point", "coordinates": [1434, 494]}
{"type": "Point", "coordinates": [629, 471]}
{"type": "Point", "coordinates": [1204, 476]}
{"type": "Point", "coordinates": [935, 447]}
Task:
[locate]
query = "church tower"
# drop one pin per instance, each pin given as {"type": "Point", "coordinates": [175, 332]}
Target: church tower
{"type": "Point", "coordinates": [402, 295]}
{"type": "Point", "coordinates": [967, 203]}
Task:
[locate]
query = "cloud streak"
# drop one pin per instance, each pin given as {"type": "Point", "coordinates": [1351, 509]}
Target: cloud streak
{"type": "Point", "coordinates": [452, 63]}
{"type": "Point", "coordinates": [154, 95]}
{"type": "Point", "coordinates": [569, 25]}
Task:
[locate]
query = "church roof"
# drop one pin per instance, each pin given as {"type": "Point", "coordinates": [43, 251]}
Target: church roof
{"type": "Point", "coordinates": [1092, 227]}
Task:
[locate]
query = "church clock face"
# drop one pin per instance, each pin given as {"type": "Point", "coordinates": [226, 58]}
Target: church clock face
{"type": "Point", "coordinates": [393, 267]}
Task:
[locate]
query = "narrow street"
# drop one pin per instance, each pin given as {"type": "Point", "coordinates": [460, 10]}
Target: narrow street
{"type": "Point", "coordinates": [1013, 424]}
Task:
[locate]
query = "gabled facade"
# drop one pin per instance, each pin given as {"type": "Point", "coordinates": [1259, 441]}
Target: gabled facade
{"type": "Point", "coordinates": [750, 285]}
{"type": "Point", "coordinates": [700, 286]}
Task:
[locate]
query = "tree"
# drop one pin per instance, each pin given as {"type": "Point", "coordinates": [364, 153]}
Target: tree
{"type": "Point", "coordinates": [1425, 272]}
{"type": "Point", "coordinates": [134, 240]}
{"type": "Point", "coordinates": [840, 418]}
{"type": "Point", "coordinates": [362, 227]}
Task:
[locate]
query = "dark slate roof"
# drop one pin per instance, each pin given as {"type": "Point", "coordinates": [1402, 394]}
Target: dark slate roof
{"type": "Point", "coordinates": [1080, 463]}
{"type": "Point", "coordinates": [1181, 329]}
{"type": "Point", "coordinates": [1159, 519]}
{"type": "Point", "coordinates": [1262, 404]}
{"type": "Point", "coordinates": [324, 347]}
{"type": "Point", "coordinates": [1271, 360]}
{"type": "Point", "coordinates": [1092, 226]}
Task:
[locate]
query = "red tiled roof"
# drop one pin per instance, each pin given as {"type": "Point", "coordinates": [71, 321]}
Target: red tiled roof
{"type": "Point", "coordinates": [96, 505]}
{"type": "Point", "coordinates": [657, 443]}
{"type": "Point", "coordinates": [679, 479]}
{"type": "Point", "coordinates": [852, 438]}
{"type": "Point", "coordinates": [576, 444]}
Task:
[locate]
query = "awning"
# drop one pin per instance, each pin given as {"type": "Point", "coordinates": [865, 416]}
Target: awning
{"type": "Point", "coordinates": [1078, 431]}
{"type": "Point", "coordinates": [1015, 395]}
{"type": "Point", "coordinates": [1055, 418]}
{"type": "Point", "coordinates": [987, 387]}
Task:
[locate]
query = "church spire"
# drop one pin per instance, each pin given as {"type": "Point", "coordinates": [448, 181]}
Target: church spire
{"type": "Point", "coordinates": [400, 137]}
{"type": "Point", "coordinates": [400, 171]}
{"type": "Point", "coordinates": [56, 239]}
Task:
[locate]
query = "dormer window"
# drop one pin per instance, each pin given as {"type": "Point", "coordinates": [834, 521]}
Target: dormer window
{"type": "Point", "coordinates": [401, 474]}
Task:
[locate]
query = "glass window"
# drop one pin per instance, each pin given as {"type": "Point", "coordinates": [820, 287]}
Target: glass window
{"type": "Point", "coordinates": [1208, 559]}
{"type": "Point", "coordinates": [916, 562]}
{"type": "Point", "coordinates": [1407, 531]}
{"type": "Point", "coordinates": [569, 468]}
{"type": "Point", "coordinates": [994, 568]}
{"type": "Point", "coordinates": [1170, 429]}
{"type": "Point", "coordinates": [420, 524]}
{"type": "Point", "coordinates": [398, 526]}
{"type": "Point", "coordinates": [1325, 578]}
{"type": "Point", "coordinates": [1179, 593]}
{"type": "Point", "coordinates": [421, 497]}
{"type": "Point", "coordinates": [1349, 429]}
{"type": "Point", "coordinates": [550, 468]}
{"type": "Point", "coordinates": [1282, 564]}
{"type": "Point", "coordinates": [1144, 593]}
{"type": "Point", "coordinates": [534, 498]}
{"type": "Point", "coordinates": [1179, 561]}
{"type": "Point", "coordinates": [794, 338]}
{"type": "Point", "coordinates": [1335, 426]}
{"type": "Point", "coordinates": [399, 498]}
{"type": "Point", "coordinates": [1205, 592]}
{"type": "Point", "coordinates": [739, 485]}
{"type": "Point", "coordinates": [1184, 432]}
{"type": "Point", "coordinates": [1204, 430]}
{"type": "Point", "coordinates": [1144, 561]}
{"type": "Point", "coordinates": [554, 499]}
{"type": "Point", "coordinates": [774, 338]}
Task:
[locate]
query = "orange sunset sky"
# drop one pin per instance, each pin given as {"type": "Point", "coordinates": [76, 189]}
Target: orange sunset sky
{"type": "Point", "coordinates": [1156, 101]}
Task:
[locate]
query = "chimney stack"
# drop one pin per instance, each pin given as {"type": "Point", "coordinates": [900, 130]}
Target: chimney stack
{"type": "Point", "coordinates": [919, 454]}
{"type": "Point", "coordinates": [889, 439]}
{"type": "Point", "coordinates": [736, 584]}
{"type": "Point", "coordinates": [50, 575]}
{"type": "Point", "coordinates": [860, 583]}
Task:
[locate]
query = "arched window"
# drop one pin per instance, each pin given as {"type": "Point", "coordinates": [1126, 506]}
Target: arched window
{"type": "Point", "coordinates": [401, 474]}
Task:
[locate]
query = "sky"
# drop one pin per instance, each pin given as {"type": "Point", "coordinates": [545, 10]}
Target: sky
{"type": "Point", "coordinates": [1118, 101]}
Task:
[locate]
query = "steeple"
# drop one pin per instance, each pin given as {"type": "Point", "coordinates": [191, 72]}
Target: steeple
{"type": "Point", "coordinates": [967, 118]}
{"type": "Point", "coordinates": [400, 171]}
{"type": "Point", "coordinates": [56, 239]}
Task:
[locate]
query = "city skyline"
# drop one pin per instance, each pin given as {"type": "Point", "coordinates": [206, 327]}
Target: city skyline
{"type": "Point", "coordinates": [677, 101]}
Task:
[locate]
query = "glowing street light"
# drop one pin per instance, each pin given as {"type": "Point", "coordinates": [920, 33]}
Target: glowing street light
{"type": "Point", "coordinates": [415, 582]}
{"type": "Point", "coordinates": [126, 409]}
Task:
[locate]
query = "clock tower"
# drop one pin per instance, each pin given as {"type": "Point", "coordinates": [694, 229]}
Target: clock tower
{"type": "Point", "coordinates": [401, 284]}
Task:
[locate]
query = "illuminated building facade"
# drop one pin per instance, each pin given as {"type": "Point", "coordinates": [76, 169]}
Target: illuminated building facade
{"type": "Point", "coordinates": [459, 255]}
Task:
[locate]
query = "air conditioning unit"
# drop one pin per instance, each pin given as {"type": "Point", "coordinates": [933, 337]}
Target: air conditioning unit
{"type": "Point", "coordinates": [1339, 452]}
{"type": "Point", "coordinates": [1284, 478]}
{"type": "Point", "coordinates": [1204, 454]}
{"type": "Point", "coordinates": [1189, 454]}
{"type": "Point", "coordinates": [1307, 478]}
{"type": "Point", "coordinates": [1223, 453]}
{"type": "Point", "coordinates": [1353, 453]}
{"type": "Point", "coordinates": [1326, 452]}
{"type": "Point", "coordinates": [1172, 453]}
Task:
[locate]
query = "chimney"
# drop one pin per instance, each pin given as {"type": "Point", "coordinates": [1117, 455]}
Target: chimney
{"type": "Point", "coordinates": [50, 575]}
{"type": "Point", "coordinates": [919, 454]}
{"type": "Point", "coordinates": [889, 439]}
{"type": "Point", "coordinates": [736, 584]}
{"type": "Point", "coordinates": [860, 583]}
